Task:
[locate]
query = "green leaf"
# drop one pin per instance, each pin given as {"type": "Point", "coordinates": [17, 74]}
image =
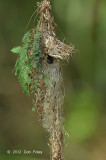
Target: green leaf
{"type": "Point", "coordinates": [16, 49]}
{"type": "Point", "coordinates": [28, 67]}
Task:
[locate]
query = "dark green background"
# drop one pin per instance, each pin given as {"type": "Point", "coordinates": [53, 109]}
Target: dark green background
{"type": "Point", "coordinates": [83, 23]}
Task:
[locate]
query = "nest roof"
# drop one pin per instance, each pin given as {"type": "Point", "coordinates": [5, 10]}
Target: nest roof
{"type": "Point", "coordinates": [53, 46]}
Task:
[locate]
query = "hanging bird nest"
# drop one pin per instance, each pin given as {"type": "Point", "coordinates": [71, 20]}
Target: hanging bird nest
{"type": "Point", "coordinates": [53, 50]}
{"type": "Point", "coordinates": [39, 58]}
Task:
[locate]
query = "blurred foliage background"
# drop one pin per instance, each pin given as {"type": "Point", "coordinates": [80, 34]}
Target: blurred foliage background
{"type": "Point", "coordinates": [83, 23]}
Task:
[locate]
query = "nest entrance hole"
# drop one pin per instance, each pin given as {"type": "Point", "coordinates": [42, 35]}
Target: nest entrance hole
{"type": "Point", "coordinates": [50, 59]}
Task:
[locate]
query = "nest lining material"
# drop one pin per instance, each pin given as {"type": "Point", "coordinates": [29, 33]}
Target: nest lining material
{"type": "Point", "coordinates": [52, 115]}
